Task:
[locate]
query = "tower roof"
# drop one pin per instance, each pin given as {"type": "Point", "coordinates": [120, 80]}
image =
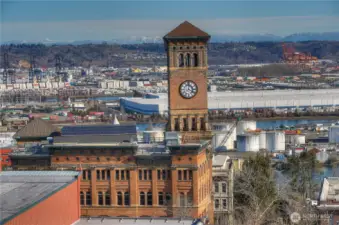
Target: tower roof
{"type": "Point", "coordinates": [186, 30]}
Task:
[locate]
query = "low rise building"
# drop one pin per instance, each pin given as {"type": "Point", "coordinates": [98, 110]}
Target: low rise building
{"type": "Point", "coordinates": [222, 173]}
{"type": "Point", "coordinates": [39, 197]}
{"type": "Point", "coordinates": [329, 201]}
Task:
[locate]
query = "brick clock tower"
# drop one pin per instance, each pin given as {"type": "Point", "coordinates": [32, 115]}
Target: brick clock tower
{"type": "Point", "coordinates": [186, 47]}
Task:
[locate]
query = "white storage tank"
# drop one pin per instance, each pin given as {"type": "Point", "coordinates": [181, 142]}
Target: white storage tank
{"type": "Point", "coordinates": [275, 141]}
{"type": "Point", "coordinates": [262, 140]}
{"type": "Point", "coordinates": [244, 126]}
{"type": "Point", "coordinates": [110, 85]}
{"type": "Point", "coordinates": [333, 134]}
{"type": "Point", "coordinates": [220, 131]}
{"type": "Point", "coordinates": [61, 85]}
{"type": "Point", "coordinates": [248, 142]}
{"type": "Point", "coordinates": [48, 85]}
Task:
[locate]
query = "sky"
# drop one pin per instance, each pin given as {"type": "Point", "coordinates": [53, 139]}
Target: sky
{"type": "Point", "coordinates": [108, 20]}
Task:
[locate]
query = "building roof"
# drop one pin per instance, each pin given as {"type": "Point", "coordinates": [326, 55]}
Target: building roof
{"type": "Point", "coordinates": [95, 138]}
{"type": "Point", "coordinates": [99, 130]}
{"type": "Point", "coordinates": [133, 221]}
{"type": "Point", "coordinates": [186, 30]}
{"type": "Point", "coordinates": [36, 128]}
{"type": "Point", "coordinates": [21, 190]}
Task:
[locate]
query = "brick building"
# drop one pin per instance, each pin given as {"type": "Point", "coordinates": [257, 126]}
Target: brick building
{"type": "Point", "coordinates": [39, 197]}
{"type": "Point", "coordinates": [171, 179]}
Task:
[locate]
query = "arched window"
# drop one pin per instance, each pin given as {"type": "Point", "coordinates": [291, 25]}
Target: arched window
{"type": "Point", "coordinates": [88, 198]}
{"type": "Point", "coordinates": [107, 198]}
{"type": "Point", "coordinates": [181, 60]}
{"type": "Point", "coordinates": [119, 194]}
{"type": "Point", "coordinates": [164, 174]}
{"type": "Point", "coordinates": [100, 198]}
{"type": "Point", "coordinates": [142, 198]}
{"type": "Point", "coordinates": [126, 198]}
{"type": "Point", "coordinates": [179, 175]}
{"type": "Point", "coordinates": [82, 198]}
{"type": "Point", "coordinates": [182, 199]}
{"type": "Point", "coordinates": [103, 174]}
{"type": "Point", "coordinates": [98, 174]}
{"type": "Point", "coordinates": [84, 174]}
{"type": "Point", "coordinates": [195, 60]}
{"type": "Point", "coordinates": [149, 198]}
{"type": "Point", "coordinates": [160, 198]}
{"type": "Point", "coordinates": [188, 60]}
{"type": "Point", "coordinates": [190, 175]}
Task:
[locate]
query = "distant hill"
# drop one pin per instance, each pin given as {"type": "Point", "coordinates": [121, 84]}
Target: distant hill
{"type": "Point", "coordinates": [326, 36]}
{"type": "Point", "coordinates": [148, 54]}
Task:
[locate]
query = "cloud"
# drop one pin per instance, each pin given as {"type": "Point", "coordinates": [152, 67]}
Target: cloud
{"type": "Point", "coordinates": [113, 29]}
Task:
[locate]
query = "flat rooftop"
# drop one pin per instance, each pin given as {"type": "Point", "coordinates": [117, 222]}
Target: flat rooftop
{"type": "Point", "coordinates": [21, 190]}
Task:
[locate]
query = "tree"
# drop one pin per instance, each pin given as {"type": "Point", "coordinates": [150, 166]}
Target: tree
{"type": "Point", "coordinates": [263, 196]}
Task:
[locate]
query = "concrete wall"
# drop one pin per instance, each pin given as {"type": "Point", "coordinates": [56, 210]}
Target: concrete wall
{"type": "Point", "coordinates": [62, 208]}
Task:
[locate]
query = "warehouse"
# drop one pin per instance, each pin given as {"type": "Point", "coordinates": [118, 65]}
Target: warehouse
{"type": "Point", "coordinates": [240, 100]}
{"type": "Point", "coordinates": [39, 197]}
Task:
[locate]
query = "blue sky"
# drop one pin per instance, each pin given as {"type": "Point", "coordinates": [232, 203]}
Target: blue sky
{"type": "Point", "coordinates": [105, 20]}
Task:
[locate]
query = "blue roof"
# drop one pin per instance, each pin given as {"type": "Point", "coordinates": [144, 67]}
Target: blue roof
{"type": "Point", "coordinates": [99, 130]}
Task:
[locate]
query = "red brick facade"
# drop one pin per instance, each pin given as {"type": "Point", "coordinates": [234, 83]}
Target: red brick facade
{"type": "Point", "coordinates": [62, 208]}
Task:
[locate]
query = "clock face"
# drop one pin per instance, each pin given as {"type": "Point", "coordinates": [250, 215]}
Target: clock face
{"type": "Point", "coordinates": [188, 89]}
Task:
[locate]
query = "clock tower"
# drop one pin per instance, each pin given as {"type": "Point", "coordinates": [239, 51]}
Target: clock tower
{"type": "Point", "coordinates": [186, 48]}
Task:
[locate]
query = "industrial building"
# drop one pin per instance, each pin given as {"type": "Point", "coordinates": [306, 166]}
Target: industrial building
{"type": "Point", "coordinates": [241, 100]}
{"type": "Point", "coordinates": [39, 197]}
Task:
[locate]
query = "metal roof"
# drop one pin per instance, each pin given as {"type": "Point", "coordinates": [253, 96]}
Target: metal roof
{"type": "Point", "coordinates": [21, 190]}
{"type": "Point", "coordinates": [99, 130]}
{"type": "Point", "coordinates": [95, 138]}
{"type": "Point", "coordinates": [36, 128]}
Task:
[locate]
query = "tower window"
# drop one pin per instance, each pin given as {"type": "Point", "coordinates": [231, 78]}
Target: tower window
{"type": "Point", "coordinates": [179, 175]}
{"type": "Point", "coordinates": [188, 60]}
{"type": "Point", "coordinates": [176, 124]}
{"type": "Point", "coordinates": [195, 60]}
{"type": "Point", "coordinates": [185, 124]}
{"type": "Point", "coordinates": [181, 60]}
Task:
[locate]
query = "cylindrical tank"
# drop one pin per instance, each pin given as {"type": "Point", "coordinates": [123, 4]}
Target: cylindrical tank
{"type": "Point", "coordinates": [248, 142]}
{"type": "Point", "coordinates": [262, 140]}
{"type": "Point", "coordinates": [246, 125]}
{"type": "Point", "coordinates": [275, 141]}
{"type": "Point", "coordinates": [333, 134]}
{"type": "Point", "coordinates": [220, 132]}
